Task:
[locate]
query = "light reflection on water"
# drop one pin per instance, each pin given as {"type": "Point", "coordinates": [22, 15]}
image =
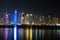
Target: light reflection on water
{"type": "Point", "coordinates": [20, 34]}
{"type": "Point", "coordinates": [11, 34]}
{"type": "Point", "coordinates": [40, 34]}
{"type": "Point", "coordinates": [1, 33]}
{"type": "Point", "coordinates": [6, 33]}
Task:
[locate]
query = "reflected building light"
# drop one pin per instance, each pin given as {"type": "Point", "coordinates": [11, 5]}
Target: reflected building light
{"type": "Point", "coordinates": [30, 33]}
{"type": "Point", "coordinates": [27, 34]}
{"type": "Point", "coordinates": [20, 34]}
{"type": "Point", "coordinates": [36, 33]}
{"type": "Point", "coordinates": [40, 32]}
{"type": "Point", "coordinates": [6, 33]}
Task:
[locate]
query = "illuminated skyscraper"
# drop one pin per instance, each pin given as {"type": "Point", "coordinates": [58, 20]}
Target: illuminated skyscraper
{"type": "Point", "coordinates": [27, 19]}
{"type": "Point", "coordinates": [15, 25]}
{"type": "Point", "coordinates": [7, 19]}
{"type": "Point", "coordinates": [30, 19]}
{"type": "Point", "coordinates": [40, 20]}
{"type": "Point", "coordinates": [19, 19]}
{"type": "Point", "coordinates": [22, 18]}
{"type": "Point", "coordinates": [43, 20]}
{"type": "Point", "coordinates": [54, 20]}
{"type": "Point", "coordinates": [49, 20]}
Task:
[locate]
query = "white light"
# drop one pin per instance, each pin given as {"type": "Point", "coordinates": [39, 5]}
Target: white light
{"type": "Point", "coordinates": [15, 33]}
{"type": "Point", "coordinates": [32, 23]}
{"type": "Point", "coordinates": [15, 25]}
{"type": "Point", "coordinates": [58, 24]}
{"type": "Point", "coordinates": [22, 12]}
{"type": "Point", "coordinates": [22, 18]}
{"type": "Point", "coordinates": [30, 33]}
{"type": "Point", "coordinates": [15, 11]}
{"type": "Point", "coordinates": [30, 14]}
{"type": "Point", "coordinates": [27, 15]}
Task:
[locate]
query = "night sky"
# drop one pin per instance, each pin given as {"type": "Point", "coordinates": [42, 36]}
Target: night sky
{"type": "Point", "coordinates": [44, 7]}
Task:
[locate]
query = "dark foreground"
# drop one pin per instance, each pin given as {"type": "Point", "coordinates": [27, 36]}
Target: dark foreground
{"type": "Point", "coordinates": [33, 32]}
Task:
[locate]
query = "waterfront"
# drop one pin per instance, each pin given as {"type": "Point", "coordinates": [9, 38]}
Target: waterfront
{"type": "Point", "coordinates": [30, 33]}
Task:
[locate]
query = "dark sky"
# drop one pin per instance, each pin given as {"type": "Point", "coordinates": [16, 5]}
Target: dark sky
{"type": "Point", "coordinates": [45, 7]}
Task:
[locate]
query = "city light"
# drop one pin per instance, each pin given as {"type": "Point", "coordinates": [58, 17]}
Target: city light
{"type": "Point", "coordinates": [27, 19]}
{"type": "Point", "coordinates": [15, 25]}
{"type": "Point", "coordinates": [30, 33]}
{"type": "Point", "coordinates": [27, 34]}
{"type": "Point", "coordinates": [6, 29]}
{"type": "Point", "coordinates": [36, 33]}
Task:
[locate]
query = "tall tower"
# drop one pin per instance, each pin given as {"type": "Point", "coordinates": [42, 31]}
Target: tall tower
{"type": "Point", "coordinates": [15, 25]}
{"type": "Point", "coordinates": [27, 19]}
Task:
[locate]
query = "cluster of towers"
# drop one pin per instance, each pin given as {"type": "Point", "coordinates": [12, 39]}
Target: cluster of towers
{"type": "Point", "coordinates": [29, 19]}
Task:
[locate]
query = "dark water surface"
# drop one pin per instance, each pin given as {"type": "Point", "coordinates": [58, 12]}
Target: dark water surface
{"type": "Point", "coordinates": [29, 33]}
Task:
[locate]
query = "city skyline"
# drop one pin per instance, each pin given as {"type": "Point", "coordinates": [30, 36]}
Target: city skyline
{"type": "Point", "coordinates": [28, 18]}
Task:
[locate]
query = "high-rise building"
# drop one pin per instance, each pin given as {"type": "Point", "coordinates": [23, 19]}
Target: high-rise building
{"type": "Point", "coordinates": [43, 20]}
{"type": "Point", "coordinates": [22, 18]}
{"type": "Point", "coordinates": [30, 19]}
{"type": "Point", "coordinates": [49, 20]}
{"type": "Point", "coordinates": [35, 20]}
{"type": "Point", "coordinates": [19, 19]}
{"type": "Point", "coordinates": [54, 20]}
{"type": "Point", "coordinates": [40, 20]}
{"type": "Point", "coordinates": [27, 19]}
